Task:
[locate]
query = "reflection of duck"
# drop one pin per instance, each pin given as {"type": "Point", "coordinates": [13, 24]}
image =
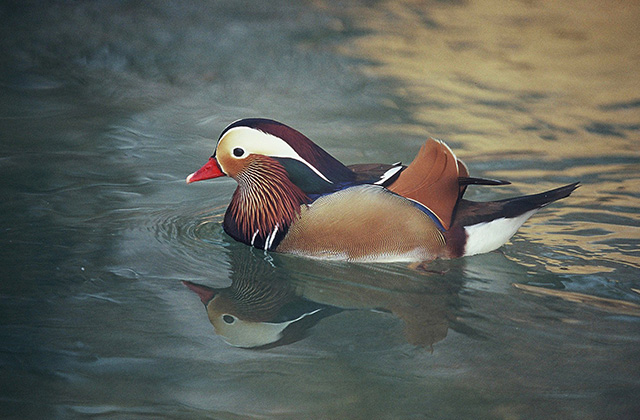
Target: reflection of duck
{"type": "Point", "coordinates": [260, 308]}
{"type": "Point", "coordinates": [256, 328]}
{"type": "Point", "coordinates": [426, 302]}
{"type": "Point", "coordinates": [269, 306]}
{"type": "Point", "coordinates": [294, 197]}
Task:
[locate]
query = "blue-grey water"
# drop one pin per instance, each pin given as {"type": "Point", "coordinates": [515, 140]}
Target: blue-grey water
{"type": "Point", "coordinates": [106, 106]}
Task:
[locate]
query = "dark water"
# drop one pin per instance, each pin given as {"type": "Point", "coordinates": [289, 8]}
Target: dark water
{"type": "Point", "coordinates": [105, 107]}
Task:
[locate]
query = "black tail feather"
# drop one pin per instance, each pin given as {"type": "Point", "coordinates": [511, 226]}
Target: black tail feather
{"type": "Point", "coordinates": [471, 212]}
{"type": "Point", "coordinates": [465, 180]}
{"type": "Point", "coordinates": [543, 198]}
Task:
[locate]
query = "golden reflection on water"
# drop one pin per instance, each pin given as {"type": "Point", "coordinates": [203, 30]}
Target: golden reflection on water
{"type": "Point", "coordinates": [552, 78]}
{"type": "Point", "coordinates": [586, 255]}
{"type": "Point", "coordinates": [596, 226]}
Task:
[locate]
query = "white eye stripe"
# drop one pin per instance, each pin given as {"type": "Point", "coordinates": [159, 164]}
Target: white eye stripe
{"type": "Point", "coordinates": [258, 142]}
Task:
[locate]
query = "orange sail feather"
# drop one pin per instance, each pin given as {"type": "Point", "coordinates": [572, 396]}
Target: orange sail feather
{"type": "Point", "coordinates": [432, 180]}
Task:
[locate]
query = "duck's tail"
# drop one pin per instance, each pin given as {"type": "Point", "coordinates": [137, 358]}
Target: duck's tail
{"type": "Point", "coordinates": [482, 227]}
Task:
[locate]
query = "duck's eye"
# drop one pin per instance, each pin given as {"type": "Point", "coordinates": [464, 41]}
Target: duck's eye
{"type": "Point", "coordinates": [238, 152]}
{"type": "Point", "coordinates": [228, 319]}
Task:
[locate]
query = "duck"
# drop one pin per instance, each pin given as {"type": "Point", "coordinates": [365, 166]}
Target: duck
{"type": "Point", "coordinates": [293, 197]}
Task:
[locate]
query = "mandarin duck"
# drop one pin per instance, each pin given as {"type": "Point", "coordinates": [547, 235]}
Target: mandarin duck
{"type": "Point", "coordinates": [294, 197]}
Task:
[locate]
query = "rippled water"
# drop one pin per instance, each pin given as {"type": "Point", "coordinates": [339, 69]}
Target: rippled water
{"type": "Point", "coordinates": [105, 107]}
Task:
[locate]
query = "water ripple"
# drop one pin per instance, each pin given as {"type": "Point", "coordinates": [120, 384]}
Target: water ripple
{"type": "Point", "coordinates": [177, 242]}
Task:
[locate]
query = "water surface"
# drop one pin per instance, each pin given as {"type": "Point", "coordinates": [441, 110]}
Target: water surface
{"type": "Point", "coordinates": [105, 107]}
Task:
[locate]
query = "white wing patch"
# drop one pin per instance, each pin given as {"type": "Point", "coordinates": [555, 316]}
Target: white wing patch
{"type": "Point", "coordinates": [388, 174]}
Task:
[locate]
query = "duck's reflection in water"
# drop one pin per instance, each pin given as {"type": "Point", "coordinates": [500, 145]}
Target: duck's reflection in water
{"type": "Point", "coordinates": [260, 312]}
{"type": "Point", "coordinates": [275, 301]}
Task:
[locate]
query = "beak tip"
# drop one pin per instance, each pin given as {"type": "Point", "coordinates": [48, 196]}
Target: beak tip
{"type": "Point", "coordinates": [209, 170]}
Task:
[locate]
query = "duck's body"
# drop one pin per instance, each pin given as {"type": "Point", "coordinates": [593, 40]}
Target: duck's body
{"type": "Point", "coordinates": [294, 197]}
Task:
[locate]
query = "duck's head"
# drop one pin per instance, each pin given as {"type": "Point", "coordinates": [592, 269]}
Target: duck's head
{"type": "Point", "coordinates": [252, 148]}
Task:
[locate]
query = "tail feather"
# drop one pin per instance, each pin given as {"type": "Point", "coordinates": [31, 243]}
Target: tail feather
{"type": "Point", "coordinates": [471, 212]}
{"type": "Point", "coordinates": [487, 226]}
{"type": "Point", "coordinates": [465, 180]}
{"type": "Point", "coordinates": [544, 198]}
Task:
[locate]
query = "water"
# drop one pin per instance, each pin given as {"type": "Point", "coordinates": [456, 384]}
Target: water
{"type": "Point", "coordinates": [107, 106]}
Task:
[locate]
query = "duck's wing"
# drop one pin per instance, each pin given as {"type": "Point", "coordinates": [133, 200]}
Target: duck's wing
{"type": "Point", "coordinates": [432, 167]}
{"type": "Point", "coordinates": [365, 223]}
{"type": "Point", "coordinates": [377, 173]}
{"type": "Point", "coordinates": [432, 180]}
